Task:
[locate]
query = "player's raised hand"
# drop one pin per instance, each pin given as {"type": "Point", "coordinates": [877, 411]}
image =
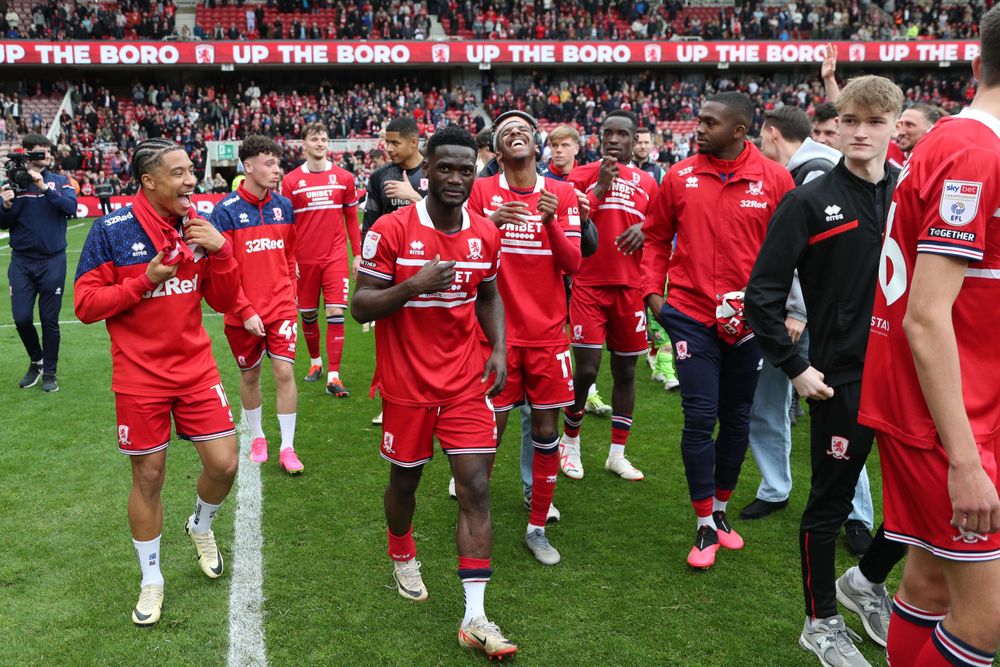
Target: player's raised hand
{"type": "Point", "coordinates": [828, 69]}
{"type": "Point", "coordinates": [631, 240]}
{"type": "Point", "coordinates": [434, 276]}
{"type": "Point", "coordinates": [974, 502]}
{"type": "Point", "coordinates": [159, 272]}
{"type": "Point", "coordinates": [607, 175]}
{"type": "Point", "coordinates": [254, 325]}
{"type": "Point", "coordinates": [548, 204]}
{"type": "Point", "coordinates": [809, 383]}
{"type": "Point", "coordinates": [510, 213]}
{"type": "Point", "coordinates": [496, 365]}
{"type": "Point", "coordinates": [581, 197]}
{"type": "Point", "coordinates": [198, 231]}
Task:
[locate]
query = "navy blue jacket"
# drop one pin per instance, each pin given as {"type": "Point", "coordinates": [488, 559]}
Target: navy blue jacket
{"type": "Point", "coordinates": [37, 218]}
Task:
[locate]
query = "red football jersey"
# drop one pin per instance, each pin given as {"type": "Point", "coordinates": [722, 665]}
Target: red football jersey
{"type": "Point", "coordinates": [896, 157]}
{"type": "Point", "coordinates": [531, 284]}
{"type": "Point", "coordinates": [946, 203]}
{"type": "Point", "coordinates": [626, 203]}
{"type": "Point", "coordinates": [158, 344]}
{"type": "Point", "coordinates": [325, 205]}
{"type": "Point", "coordinates": [263, 236]}
{"type": "Point", "coordinates": [428, 353]}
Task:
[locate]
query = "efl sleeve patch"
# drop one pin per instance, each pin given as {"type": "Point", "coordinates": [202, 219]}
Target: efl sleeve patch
{"type": "Point", "coordinates": [959, 202]}
{"type": "Point", "coordinates": [370, 246]}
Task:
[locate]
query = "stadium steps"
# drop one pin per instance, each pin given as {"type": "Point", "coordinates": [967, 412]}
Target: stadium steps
{"type": "Point", "coordinates": [437, 31]}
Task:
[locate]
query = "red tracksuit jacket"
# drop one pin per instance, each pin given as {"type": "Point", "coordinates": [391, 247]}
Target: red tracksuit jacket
{"type": "Point", "coordinates": [720, 211]}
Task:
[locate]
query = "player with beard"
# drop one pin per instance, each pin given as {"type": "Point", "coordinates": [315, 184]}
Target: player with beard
{"type": "Point", "coordinates": [325, 205]}
{"type": "Point", "coordinates": [428, 272]}
{"type": "Point", "coordinates": [262, 228]}
{"type": "Point", "coordinates": [718, 204]}
{"type": "Point", "coordinates": [144, 270]}
{"type": "Point", "coordinates": [606, 304]}
{"type": "Point", "coordinates": [539, 223]}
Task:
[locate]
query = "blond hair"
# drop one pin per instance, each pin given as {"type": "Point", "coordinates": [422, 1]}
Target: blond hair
{"type": "Point", "coordinates": [874, 94]}
{"type": "Point", "coordinates": [564, 132]}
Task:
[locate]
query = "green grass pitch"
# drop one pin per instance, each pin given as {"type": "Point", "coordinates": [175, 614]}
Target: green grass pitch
{"type": "Point", "coordinates": [622, 595]}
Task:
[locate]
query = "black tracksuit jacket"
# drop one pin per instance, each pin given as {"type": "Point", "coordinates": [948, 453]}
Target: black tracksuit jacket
{"type": "Point", "coordinates": [830, 229]}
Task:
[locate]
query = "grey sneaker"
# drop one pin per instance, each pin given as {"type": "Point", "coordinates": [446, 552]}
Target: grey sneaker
{"type": "Point", "coordinates": [32, 377]}
{"type": "Point", "coordinates": [49, 382]}
{"type": "Point", "coordinates": [871, 604]}
{"type": "Point", "coordinates": [540, 548]}
{"type": "Point", "coordinates": [830, 640]}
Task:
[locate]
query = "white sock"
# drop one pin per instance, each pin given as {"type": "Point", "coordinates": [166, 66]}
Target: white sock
{"type": "Point", "coordinates": [532, 527]}
{"type": "Point", "coordinates": [859, 580]}
{"type": "Point", "coordinates": [287, 425]}
{"type": "Point", "coordinates": [475, 592]}
{"type": "Point", "coordinates": [616, 452]}
{"type": "Point", "coordinates": [706, 521]}
{"type": "Point", "coordinates": [204, 514]}
{"type": "Point", "coordinates": [592, 391]}
{"type": "Point", "coordinates": [315, 361]}
{"type": "Point", "coordinates": [149, 560]}
{"type": "Point", "coordinates": [253, 418]}
{"type": "Point", "coordinates": [331, 376]}
{"type": "Point", "coordinates": [719, 505]}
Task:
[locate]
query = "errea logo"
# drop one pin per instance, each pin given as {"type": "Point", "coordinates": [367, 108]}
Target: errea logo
{"type": "Point", "coordinates": [496, 200]}
{"type": "Point", "coordinates": [692, 182]}
{"type": "Point", "coordinates": [244, 218]}
{"type": "Point", "coordinates": [416, 248]}
{"type": "Point", "coordinates": [139, 250]}
{"type": "Point", "coordinates": [833, 213]}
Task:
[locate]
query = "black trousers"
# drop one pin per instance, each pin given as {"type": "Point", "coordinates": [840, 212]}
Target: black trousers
{"type": "Point", "coordinates": [840, 447]}
{"type": "Point", "coordinates": [44, 280]}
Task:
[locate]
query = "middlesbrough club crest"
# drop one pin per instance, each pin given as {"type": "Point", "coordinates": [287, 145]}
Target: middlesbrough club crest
{"type": "Point", "coordinates": [838, 448]}
{"type": "Point", "coordinates": [277, 214]}
{"type": "Point", "coordinates": [333, 179]}
{"type": "Point", "coordinates": [475, 249]}
{"type": "Point", "coordinates": [387, 443]}
{"type": "Point", "coordinates": [123, 435]}
{"type": "Point", "coordinates": [682, 349]}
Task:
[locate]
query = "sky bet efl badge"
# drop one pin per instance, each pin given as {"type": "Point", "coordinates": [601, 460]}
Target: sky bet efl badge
{"type": "Point", "coordinates": [959, 202]}
{"type": "Point", "coordinates": [371, 245]}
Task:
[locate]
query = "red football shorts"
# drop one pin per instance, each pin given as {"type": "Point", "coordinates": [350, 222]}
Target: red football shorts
{"type": "Point", "coordinates": [917, 505]}
{"type": "Point", "coordinates": [467, 426]}
{"type": "Point", "coordinates": [615, 315]}
{"type": "Point", "coordinates": [144, 421]}
{"type": "Point", "coordinates": [278, 342]}
{"type": "Point", "coordinates": [542, 374]}
{"type": "Point", "coordinates": [333, 278]}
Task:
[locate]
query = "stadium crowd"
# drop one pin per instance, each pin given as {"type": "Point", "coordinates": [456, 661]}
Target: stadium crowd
{"type": "Point", "coordinates": [502, 19]}
{"type": "Point", "coordinates": [106, 125]}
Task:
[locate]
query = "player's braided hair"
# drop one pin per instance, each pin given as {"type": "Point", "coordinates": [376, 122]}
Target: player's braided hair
{"type": "Point", "coordinates": [149, 154]}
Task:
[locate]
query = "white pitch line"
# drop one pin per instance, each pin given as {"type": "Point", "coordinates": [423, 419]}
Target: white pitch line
{"type": "Point", "coordinates": [7, 247]}
{"type": "Point", "coordinates": [246, 591]}
{"type": "Point", "coordinates": [62, 322]}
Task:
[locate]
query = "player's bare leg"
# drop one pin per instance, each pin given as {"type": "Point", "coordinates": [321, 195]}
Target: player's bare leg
{"type": "Point", "coordinates": [145, 517]}
{"type": "Point", "coordinates": [586, 364]}
{"type": "Point", "coordinates": [474, 538]}
{"type": "Point", "coordinates": [544, 473]}
{"type": "Point", "coordinates": [252, 401]}
{"type": "Point", "coordinates": [334, 351]}
{"type": "Point", "coordinates": [622, 404]}
{"type": "Point", "coordinates": [400, 501]}
{"type": "Point", "coordinates": [286, 402]}
{"type": "Point", "coordinates": [974, 617]}
{"type": "Point", "coordinates": [310, 331]}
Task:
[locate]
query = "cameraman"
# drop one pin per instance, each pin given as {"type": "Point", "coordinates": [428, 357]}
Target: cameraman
{"type": "Point", "coordinates": [36, 217]}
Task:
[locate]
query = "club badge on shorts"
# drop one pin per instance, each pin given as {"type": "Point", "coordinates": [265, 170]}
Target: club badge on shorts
{"type": "Point", "coordinates": [838, 448]}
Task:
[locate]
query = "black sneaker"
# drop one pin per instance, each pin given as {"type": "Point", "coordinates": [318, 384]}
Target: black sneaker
{"type": "Point", "coordinates": [31, 378]}
{"type": "Point", "coordinates": [859, 538]}
{"type": "Point", "coordinates": [49, 382]}
{"type": "Point", "coordinates": [759, 509]}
